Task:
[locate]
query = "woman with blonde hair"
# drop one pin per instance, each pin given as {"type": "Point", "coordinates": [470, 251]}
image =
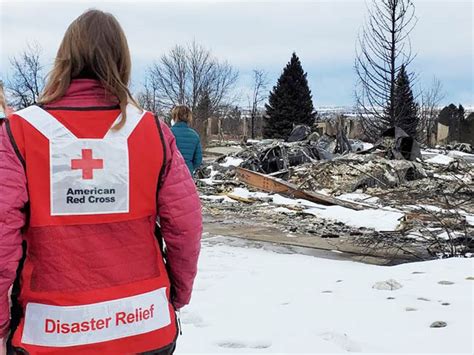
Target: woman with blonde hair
{"type": "Point", "coordinates": [187, 139]}
{"type": "Point", "coordinates": [100, 173]}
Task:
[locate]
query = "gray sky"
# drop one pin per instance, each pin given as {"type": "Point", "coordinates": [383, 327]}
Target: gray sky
{"type": "Point", "coordinates": [261, 34]}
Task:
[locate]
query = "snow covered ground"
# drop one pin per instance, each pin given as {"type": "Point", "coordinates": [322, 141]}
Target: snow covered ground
{"type": "Point", "coordinates": [386, 219]}
{"type": "Point", "coordinates": [231, 161]}
{"type": "Point", "coordinates": [256, 301]}
{"type": "Point", "coordinates": [440, 159]}
{"type": "Point", "coordinates": [443, 157]}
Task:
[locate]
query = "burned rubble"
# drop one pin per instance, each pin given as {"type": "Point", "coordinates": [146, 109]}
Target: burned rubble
{"type": "Point", "coordinates": [320, 162]}
{"type": "Point", "coordinates": [292, 221]}
{"type": "Point", "coordinates": [461, 147]}
{"type": "Point", "coordinates": [352, 172]}
{"type": "Point", "coordinates": [391, 173]}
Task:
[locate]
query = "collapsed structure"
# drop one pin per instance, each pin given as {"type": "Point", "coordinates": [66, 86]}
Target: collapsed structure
{"type": "Point", "coordinates": [391, 174]}
{"type": "Point", "coordinates": [320, 159]}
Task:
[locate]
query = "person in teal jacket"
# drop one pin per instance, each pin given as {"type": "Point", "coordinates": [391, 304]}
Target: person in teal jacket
{"type": "Point", "coordinates": [187, 139]}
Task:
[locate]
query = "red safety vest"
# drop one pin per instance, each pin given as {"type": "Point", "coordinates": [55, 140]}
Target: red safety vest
{"type": "Point", "coordinates": [83, 292]}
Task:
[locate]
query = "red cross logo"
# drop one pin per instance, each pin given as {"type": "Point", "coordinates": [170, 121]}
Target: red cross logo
{"type": "Point", "coordinates": [87, 164]}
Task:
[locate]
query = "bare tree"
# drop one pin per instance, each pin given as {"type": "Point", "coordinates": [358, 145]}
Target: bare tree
{"type": "Point", "coordinates": [429, 110]}
{"type": "Point", "coordinates": [147, 98]}
{"type": "Point", "coordinates": [383, 49]}
{"type": "Point", "coordinates": [27, 80]}
{"type": "Point", "coordinates": [231, 122]}
{"type": "Point", "coordinates": [185, 73]}
{"type": "Point", "coordinates": [259, 95]}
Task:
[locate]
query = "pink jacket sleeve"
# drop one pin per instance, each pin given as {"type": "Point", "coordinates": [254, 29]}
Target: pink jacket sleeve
{"type": "Point", "coordinates": [179, 212]}
{"type": "Point", "coordinates": [13, 197]}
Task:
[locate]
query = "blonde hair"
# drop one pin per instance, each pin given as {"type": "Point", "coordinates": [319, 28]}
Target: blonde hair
{"type": "Point", "coordinates": [3, 102]}
{"type": "Point", "coordinates": [95, 43]}
{"type": "Point", "coordinates": [182, 113]}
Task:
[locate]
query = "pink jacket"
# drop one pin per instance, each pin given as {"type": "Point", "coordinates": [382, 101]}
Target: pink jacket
{"type": "Point", "coordinates": [179, 209]}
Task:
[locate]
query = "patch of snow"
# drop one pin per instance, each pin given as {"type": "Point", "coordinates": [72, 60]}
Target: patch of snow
{"type": "Point", "coordinates": [231, 161]}
{"type": "Point", "coordinates": [354, 196]}
{"type": "Point", "coordinates": [416, 236]}
{"type": "Point", "coordinates": [452, 177]}
{"type": "Point", "coordinates": [256, 301]}
{"type": "Point", "coordinates": [367, 145]}
{"type": "Point", "coordinates": [440, 159]}
{"type": "Point", "coordinates": [456, 154]}
{"type": "Point", "coordinates": [208, 181]}
{"type": "Point", "coordinates": [435, 233]}
{"type": "Point", "coordinates": [286, 201]}
{"type": "Point", "coordinates": [244, 193]}
{"type": "Point", "coordinates": [326, 192]}
{"type": "Point", "coordinates": [358, 197]}
{"type": "Point", "coordinates": [284, 210]}
{"type": "Point", "coordinates": [212, 172]}
{"type": "Point", "coordinates": [453, 235]}
{"type": "Point", "coordinates": [436, 209]}
{"type": "Point", "coordinates": [431, 151]}
{"type": "Point", "coordinates": [470, 219]}
{"type": "Point", "coordinates": [430, 208]}
{"type": "Point", "coordinates": [380, 220]}
{"type": "Point", "coordinates": [217, 198]}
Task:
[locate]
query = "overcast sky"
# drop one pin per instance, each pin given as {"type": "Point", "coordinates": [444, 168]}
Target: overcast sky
{"type": "Point", "coordinates": [261, 34]}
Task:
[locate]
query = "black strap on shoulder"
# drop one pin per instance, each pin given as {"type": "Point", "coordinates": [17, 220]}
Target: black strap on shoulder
{"type": "Point", "coordinates": [163, 166]}
{"type": "Point", "coordinates": [15, 146]}
{"type": "Point", "coordinates": [158, 234]}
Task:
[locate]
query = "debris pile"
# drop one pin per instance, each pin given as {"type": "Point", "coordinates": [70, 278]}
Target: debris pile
{"type": "Point", "coordinates": [279, 156]}
{"type": "Point", "coordinates": [397, 144]}
{"type": "Point", "coordinates": [315, 162]}
{"type": "Point", "coordinates": [433, 200]}
{"type": "Point", "coordinates": [461, 147]}
{"type": "Point", "coordinates": [448, 187]}
{"type": "Point", "coordinates": [352, 172]}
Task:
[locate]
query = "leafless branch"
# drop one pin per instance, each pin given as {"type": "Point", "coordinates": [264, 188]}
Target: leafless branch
{"type": "Point", "coordinates": [27, 80]}
{"type": "Point", "coordinates": [383, 47]}
{"type": "Point", "coordinates": [429, 111]}
{"type": "Point", "coordinates": [185, 73]}
{"type": "Point", "coordinates": [260, 84]}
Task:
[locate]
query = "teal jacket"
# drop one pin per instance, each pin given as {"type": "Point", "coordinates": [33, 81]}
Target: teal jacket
{"type": "Point", "coordinates": [189, 145]}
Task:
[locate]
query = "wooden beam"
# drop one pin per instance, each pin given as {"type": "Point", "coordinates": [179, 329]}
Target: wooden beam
{"type": "Point", "coordinates": [274, 185]}
{"type": "Point", "coordinates": [240, 198]}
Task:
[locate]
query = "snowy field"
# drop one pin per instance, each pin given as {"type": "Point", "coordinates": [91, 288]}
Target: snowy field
{"type": "Point", "coordinates": [255, 301]}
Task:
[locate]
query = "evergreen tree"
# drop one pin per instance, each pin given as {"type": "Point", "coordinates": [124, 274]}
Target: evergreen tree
{"type": "Point", "coordinates": [405, 108]}
{"type": "Point", "coordinates": [467, 129]}
{"type": "Point", "coordinates": [447, 115]}
{"type": "Point", "coordinates": [290, 102]}
{"type": "Point", "coordinates": [453, 117]}
{"type": "Point", "coordinates": [455, 129]}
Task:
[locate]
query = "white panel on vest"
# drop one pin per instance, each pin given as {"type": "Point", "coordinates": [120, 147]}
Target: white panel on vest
{"type": "Point", "coordinates": [58, 326]}
{"type": "Point", "coordinates": [87, 176]}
